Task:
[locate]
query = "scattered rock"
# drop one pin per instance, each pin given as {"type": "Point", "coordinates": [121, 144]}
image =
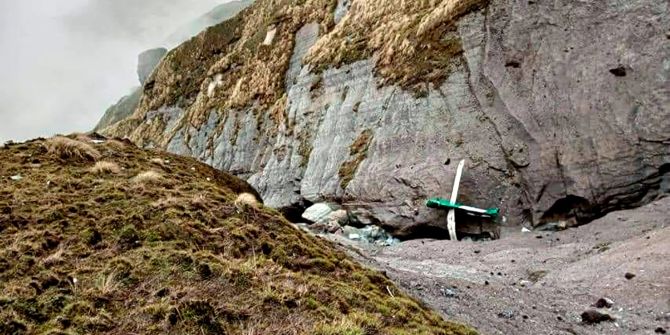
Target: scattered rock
{"type": "Point", "coordinates": [555, 226]}
{"type": "Point", "coordinates": [449, 293]}
{"type": "Point", "coordinates": [593, 316]}
{"type": "Point", "coordinates": [629, 275]}
{"type": "Point", "coordinates": [16, 178]}
{"type": "Point", "coordinates": [370, 234]}
{"type": "Point", "coordinates": [603, 303]}
{"type": "Point", "coordinates": [525, 230]}
{"type": "Point", "coordinates": [507, 314]}
{"type": "Point", "coordinates": [660, 330]}
{"type": "Point", "coordinates": [340, 216]}
{"type": "Point", "coordinates": [317, 212]}
{"type": "Point", "coordinates": [619, 71]}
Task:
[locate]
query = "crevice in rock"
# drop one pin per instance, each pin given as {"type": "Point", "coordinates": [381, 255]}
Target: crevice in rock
{"type": "Point", "coordinates": [513, 64]}
{"type": "Point", "coordinates": [293, 213]}
{"type": "Point", "coordinates": [577, 210]}
{"type": "Point", "coordinates": [619, 71]}
{"type": "Point", "coordinates": [569, 208]}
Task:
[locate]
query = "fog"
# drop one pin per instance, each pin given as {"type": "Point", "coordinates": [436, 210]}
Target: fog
{"type": "Point", "coordinates": [63, 62]}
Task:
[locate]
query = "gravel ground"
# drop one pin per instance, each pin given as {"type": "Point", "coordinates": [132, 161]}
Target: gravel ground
{"type": "Point", "coordinates": [541, 282]}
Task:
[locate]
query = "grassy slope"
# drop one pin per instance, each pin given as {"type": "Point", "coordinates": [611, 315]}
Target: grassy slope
{"type": "Point", "coordinates": [101, 250]}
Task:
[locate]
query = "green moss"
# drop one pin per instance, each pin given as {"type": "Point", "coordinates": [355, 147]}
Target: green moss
{"type": "Point", "coordinates": [128, 237]}
{"type": "Point", "coordinates": [91, 236]}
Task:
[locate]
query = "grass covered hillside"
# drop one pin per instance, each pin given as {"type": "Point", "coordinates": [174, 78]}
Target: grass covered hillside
{"type": "Point", "coordinates": [108, 238]}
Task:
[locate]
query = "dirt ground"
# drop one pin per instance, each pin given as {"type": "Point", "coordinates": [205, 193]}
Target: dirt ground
{"type": "Point", "coordinates": [541, 282]}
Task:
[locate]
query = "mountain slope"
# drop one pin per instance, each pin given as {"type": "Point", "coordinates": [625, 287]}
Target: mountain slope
{"type": "Point", "coordinates": [217, 15]}
{"type": "Point", "coordinates": [109, 238]}
{"type": "Point", "coordinates": [560, 108]}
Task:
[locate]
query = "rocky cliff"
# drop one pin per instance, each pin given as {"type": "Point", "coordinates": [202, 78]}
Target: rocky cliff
{"type": "Point", "coordinates": [561, 109]}
{"type": "Point", "coordinates": [149, 59]}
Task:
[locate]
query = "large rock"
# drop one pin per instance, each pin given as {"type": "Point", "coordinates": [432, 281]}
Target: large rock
{"type": "Point", "coordinates": [121, 110]}
{"type": "Point", "coordinates": [561, 109]}
{"type": "Point", "coordinates": [317, 212]}
{"type": "Point", "coordinates": [147, 62]}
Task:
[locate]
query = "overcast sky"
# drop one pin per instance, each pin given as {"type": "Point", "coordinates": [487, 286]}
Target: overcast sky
{"type": "Point", "coordinates": [63, 62]}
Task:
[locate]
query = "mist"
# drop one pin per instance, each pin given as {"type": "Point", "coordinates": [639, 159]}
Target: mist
{"type": "Point", "coordinates": [62, 63]}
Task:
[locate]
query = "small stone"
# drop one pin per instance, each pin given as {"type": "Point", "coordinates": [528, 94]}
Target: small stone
{"type": "Point", "coordinates": [525, 230]}
{"type": "Point", "coordinates": [629, 275]}
{"type": "Point", "coordinates": [619, 71]}
{"type": "Point", "coordinates": [354, 237]}
{"type": "Point", "coordinates": [660, 330]}
{"type": "Point", "coordinates": [508, 314]}
{"type": "Point", "coordinates": [333, 228]}
{"type": "Point", "coordinates": [449, 293]}
{"type": "Point", "coordinates": [16, 178]}
{"type": "Point", "coordinates": [593, 316]}
{"type": "Point", "coordinates": [340, 216]}
{"type": "Point", "coordinates": [603, 303]}
{"type": "Point", "coordinates": [477, 251]}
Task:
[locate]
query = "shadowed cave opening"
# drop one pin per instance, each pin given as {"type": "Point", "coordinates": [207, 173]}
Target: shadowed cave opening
{"type": "Point", "coordinates": [467, 226]}
{"type": "Point", "coordinates": [294, 212]}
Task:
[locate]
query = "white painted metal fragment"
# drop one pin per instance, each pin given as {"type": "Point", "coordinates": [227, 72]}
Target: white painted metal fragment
{"type": "Point", "coordinates": [451, 216]}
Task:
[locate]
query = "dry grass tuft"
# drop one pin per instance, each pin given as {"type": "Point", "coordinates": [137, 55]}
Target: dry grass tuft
{"type": "Point", "coordinates": [412, 41]}
{"type": "Point", "coordinates": [158, 161]}
{"type": "Point", "coordinates": [105, 167]}
{"type": "Point", "coordinates": [67, 148]}
{"type": "Point", "coordinates": [246, 200]}
{"type": "Point", "coordinates": [148, 177]}
{"type": "Point", "coordinates": [107, 284]}
{"type": "Point", "coordinates": [55, 258]}
{"type": "Point", "coordinates": [166, 202]}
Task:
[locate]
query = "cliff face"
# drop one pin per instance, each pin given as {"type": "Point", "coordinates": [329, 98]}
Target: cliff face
{"type": "Point", "coordinates": [148, 60]}
{"type": "Point", "coordinates": [561, 109]}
